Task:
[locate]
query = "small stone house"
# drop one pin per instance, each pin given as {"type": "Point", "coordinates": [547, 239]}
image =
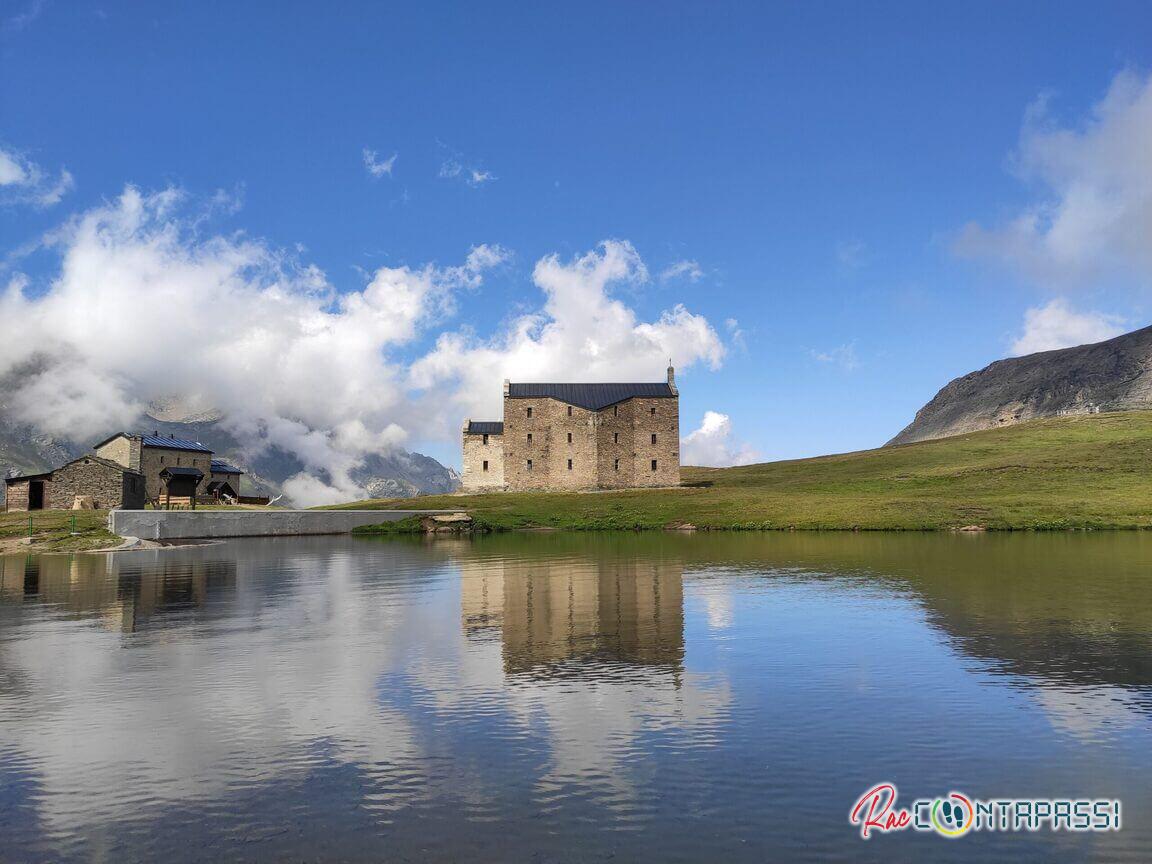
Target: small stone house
{"type": "Point", "coordinates": [105, 484]}
{"type": "Point", "coordinates": [224, 480]}
{"type": "Point", "coordinates": [577, 436]}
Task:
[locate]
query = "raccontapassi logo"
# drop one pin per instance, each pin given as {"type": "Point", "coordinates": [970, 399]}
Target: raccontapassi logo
{"type": "Point", "coordinates": [956, 814]}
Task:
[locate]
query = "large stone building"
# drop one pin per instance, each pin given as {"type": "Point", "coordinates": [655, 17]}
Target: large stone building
{"type": "Point", "coordinates": [577, 436]}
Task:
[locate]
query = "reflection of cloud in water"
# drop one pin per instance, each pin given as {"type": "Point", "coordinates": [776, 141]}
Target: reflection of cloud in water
{"type": "Point", "coordinates": [189, 713]}
{"type": "Point", "coordinates": [153, 679]}
{"type": "Point", "coordinates": [1092, 714]}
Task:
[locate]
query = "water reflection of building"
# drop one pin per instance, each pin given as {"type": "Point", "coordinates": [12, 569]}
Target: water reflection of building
{"type": "Point", "coordinates": [560, 616]}
{"type": "Point", "coordinates": [124, 591]}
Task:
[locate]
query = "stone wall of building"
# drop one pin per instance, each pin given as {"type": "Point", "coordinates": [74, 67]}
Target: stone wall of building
{"type": "Point", "coordinates": [122, 449]}
{"type": "Point", "coordinates": [562, 448]}
{"type": "Point", "coordinates": [476, 454]}
{"type": "Point", "coordinates": [107, 485]}
{"type": "Point", "coordinates": [153, 460]}
{"type": "Point", "coordinates": [230, 478]}
{"type": "Point", "coordinates": [574, 448]}
{"type": "Point", "coordinates": [657, 419]}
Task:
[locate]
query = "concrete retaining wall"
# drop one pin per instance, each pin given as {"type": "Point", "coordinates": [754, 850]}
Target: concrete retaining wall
{"type": "Point", "coordinates": [190, 524]}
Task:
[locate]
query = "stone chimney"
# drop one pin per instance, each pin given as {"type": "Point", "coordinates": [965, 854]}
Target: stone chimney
{"type": "Point", "coordinates": [507, 386]}
{"type": "Point", "coordinates": [672, 377]}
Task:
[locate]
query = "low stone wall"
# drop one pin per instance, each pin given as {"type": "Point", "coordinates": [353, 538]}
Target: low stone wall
{"type": "Point", "coordinates": [202, 524]}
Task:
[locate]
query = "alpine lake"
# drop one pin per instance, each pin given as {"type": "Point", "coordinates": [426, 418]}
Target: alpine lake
{"type": "Point", "coordinates": [554, 697]}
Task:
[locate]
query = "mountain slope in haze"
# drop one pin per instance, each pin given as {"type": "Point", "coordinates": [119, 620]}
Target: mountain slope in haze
{"type": "Point", "coordinates": [398, 474]}
{"type": "Point", "coordinates": [1115, 375]}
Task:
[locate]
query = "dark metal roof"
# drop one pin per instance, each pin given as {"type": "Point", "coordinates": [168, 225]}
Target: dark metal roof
{"type": "Point", "coordinates": [221, 467]}
{"type": "Point", "coordinates": [181, 471]}
{"type": "Point", "coordinates": [173, 443]}
{"type": "Point", "coordinates": [485, 427]}
{"type": "Point", "coordinates": [89, 457]}
{"type": "Point", "coordinates": [219, 484]}
{"type": "Point", "coordinates": [23, 477]}
{"type": "Point", "coordinates": [591, 396]}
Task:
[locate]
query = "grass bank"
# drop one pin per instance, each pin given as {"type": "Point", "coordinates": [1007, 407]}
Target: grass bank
{"type": "Point", "coordinates": [1062, 473]}
{"type": "Point", "coordinates": [52, 531]}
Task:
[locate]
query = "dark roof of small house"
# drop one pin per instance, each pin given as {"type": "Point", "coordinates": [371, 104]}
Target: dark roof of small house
{"type": "Point", "coordinates": [164, 441]}
{"type": "Point", "coordinates": [591, 396]}
{"type": "Point", "coordinates": [24, 477]}
{"type": "Point", "coordinates": [89, 457]}
{"type": "Point", "coordinates": [219, 484]}
{"type": "Point", "coordinates": [485, 427]}
{"type": "Point", "coordinates": [221, 467]}
{"type": "Point", "coordinates": [181, 471]}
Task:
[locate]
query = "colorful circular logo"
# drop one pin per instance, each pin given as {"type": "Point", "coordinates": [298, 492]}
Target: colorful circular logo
{"type": "Point", "coordinates": [953, 816]}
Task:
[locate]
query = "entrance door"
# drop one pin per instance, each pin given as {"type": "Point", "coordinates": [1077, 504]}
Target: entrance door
{"type": "Point", "coordinates": [36, 495]}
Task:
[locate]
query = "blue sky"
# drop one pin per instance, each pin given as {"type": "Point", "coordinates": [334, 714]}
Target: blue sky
{"type": "Point", "coordinates": [848, 180]}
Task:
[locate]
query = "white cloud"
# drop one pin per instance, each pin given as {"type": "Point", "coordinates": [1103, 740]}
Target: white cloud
{"type": "Point", "coordinates": [379, 167]}
{"type": "Point", "coordinates": [147, 304]}
{"type": "Point", "coordinates": [1094, 216]}
{"type": "Point", "coordinates": [713, 445]}
{"type": "Point", "coordinates": [457, 167]}
{"type": "Point", "coordinates": [689, 270]}
{"type": "Point", "coordinates": [1057, 325]}
{"type": "Point", "coordinates": [736, 333]}
{"type": "Point", "coordinates": [843, 356]}
{"type": "Point", "coordinates": [144, 307]}
{"type": "Point", "coordinates": [581, 334]}
{"type": "Point", "coordinates": [22, 181]}
{"type": "Point", "coordinates": [23, 20]}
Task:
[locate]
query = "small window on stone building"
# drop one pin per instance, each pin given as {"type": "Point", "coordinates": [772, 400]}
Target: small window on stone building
{"type": "Point", "coordinates": [653, 464]}
{"type": "Point", "coordinates": [569, 410]}
{"type": "Point", "coordinates": [485, 444]}
{"type": "Point", "coordinates": [529, 437]}
{"type": "Point", "coordinates": [177, 460]}
{"type": "Point", "coordinates": [616, 465]}
{"type": "Point", "coordinates": [529, 410]}
{"type": "Point", "coordinates": [569, 437]}
{"type": "Point", "coordinates": [615, 437]}
{"type": "Point", "coordinates": [569, 464]}
{"type": "Point", "coordinates": [162, 462]}
{"type": "Point", "coordinates": [652, 410]}
{"type": "Point", "coordinates": [653, 437]}
{"type": "Point", "coordinates": [529, 465]}
{"type": "Point", "coordinates": [615, 410]}
{"type": "Point", "coordinates": [485, 464]}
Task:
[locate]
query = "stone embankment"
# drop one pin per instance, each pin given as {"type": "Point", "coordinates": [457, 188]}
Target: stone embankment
{"type": "Point", "coordinates": [214, 524]}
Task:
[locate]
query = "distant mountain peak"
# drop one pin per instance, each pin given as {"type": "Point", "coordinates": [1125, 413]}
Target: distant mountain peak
{"type": "Point", "coordinates": [1114, 375]}
{"type": "Point", "coordinates": [182, 409]}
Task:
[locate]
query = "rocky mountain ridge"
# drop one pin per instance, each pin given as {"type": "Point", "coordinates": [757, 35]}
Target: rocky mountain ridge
{"type": "Point", "coordinates": [1115, 375]}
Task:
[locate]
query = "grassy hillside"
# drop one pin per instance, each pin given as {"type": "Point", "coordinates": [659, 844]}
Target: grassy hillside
{"type": "Point", "coordinates": [1068, 472]}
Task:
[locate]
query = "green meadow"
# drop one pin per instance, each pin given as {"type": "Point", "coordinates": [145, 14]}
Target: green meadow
{"type": "Point", "coordinates": [1054, 474]}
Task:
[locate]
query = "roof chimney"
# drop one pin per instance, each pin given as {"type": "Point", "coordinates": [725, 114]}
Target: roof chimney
{"type": "Point", "coordinates": [155, 433]}
{"type": "Point", "coordinates": [507, 386]}
{"type": "Point", "coordinates": [672, 378]}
